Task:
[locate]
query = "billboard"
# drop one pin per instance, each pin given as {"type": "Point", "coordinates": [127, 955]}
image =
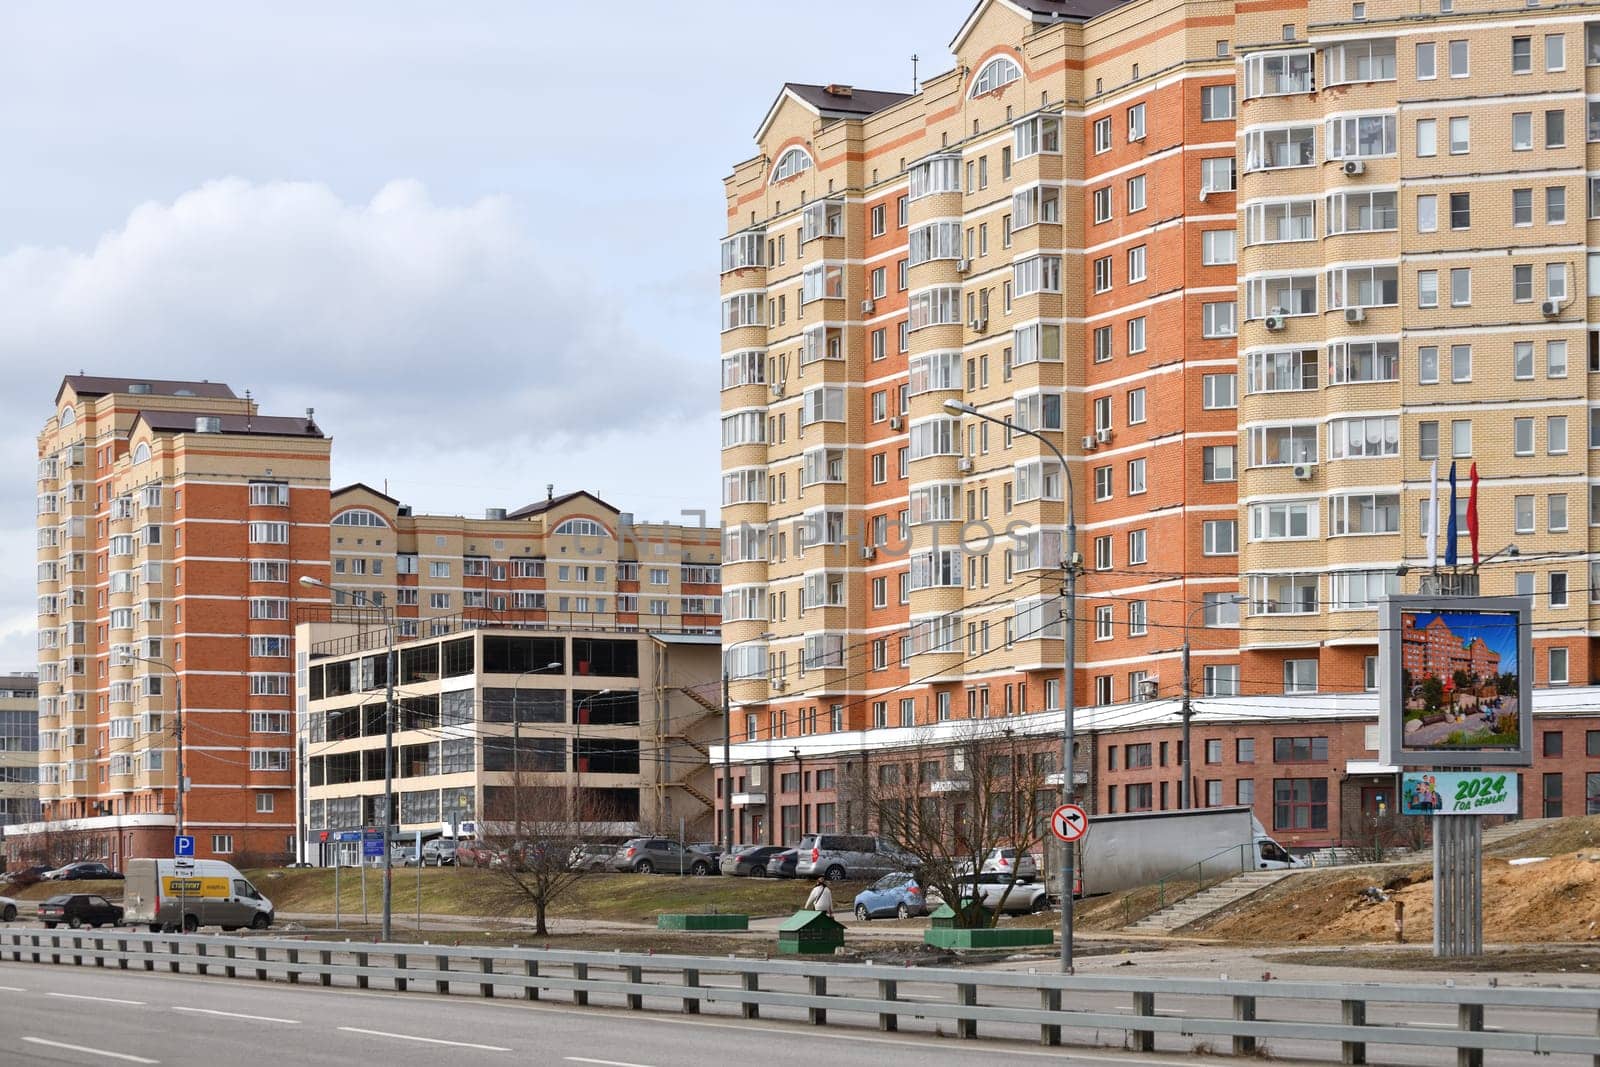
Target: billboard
{"type": "Point", "coordinates": [1456, 682]}
{"type": "Point", "coordinates": [1459, 793]}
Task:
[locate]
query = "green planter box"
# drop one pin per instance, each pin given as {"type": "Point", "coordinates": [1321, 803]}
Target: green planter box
{"type": "Point", "coordinates": [809, 933]}
{"type": "Point", "coordinates": [703, 922]}
{"type": "Point", "coordinates": [988, 937]}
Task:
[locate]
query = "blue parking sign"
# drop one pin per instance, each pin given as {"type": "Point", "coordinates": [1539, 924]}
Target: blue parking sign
{"type": "Point", "coordinates": [183, 845]}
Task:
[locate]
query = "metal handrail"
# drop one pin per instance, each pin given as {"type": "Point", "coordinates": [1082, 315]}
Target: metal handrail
{"type": "Point", "coordinates": [1178, 875]}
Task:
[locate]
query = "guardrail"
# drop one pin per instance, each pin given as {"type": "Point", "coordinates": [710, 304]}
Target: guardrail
{"type": "Point", "coordinates": [1564, 1021]}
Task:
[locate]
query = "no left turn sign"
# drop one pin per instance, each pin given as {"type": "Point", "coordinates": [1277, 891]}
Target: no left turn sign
{"type": "Point", "coordinates": [1069, 822]}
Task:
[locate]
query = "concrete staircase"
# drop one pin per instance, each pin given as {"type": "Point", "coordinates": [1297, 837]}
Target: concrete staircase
{"type": "Point", "coordinates": [1196, 907]}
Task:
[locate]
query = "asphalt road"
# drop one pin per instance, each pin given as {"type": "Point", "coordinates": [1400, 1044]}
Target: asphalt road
{"type": "Point", "coordinates": [72, 1015]}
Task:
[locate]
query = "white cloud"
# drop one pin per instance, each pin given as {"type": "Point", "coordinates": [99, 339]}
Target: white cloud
{"type": "Point", "coordinates": [414, 328]}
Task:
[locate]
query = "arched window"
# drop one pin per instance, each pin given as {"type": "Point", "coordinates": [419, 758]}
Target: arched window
{"type": "Point", "coordinates": [580, 528]}
{"type": "Point", "coordinates": [141, 454]}
{"type": "Point", "coordinates": [359, 517]}
{"type": "Point", "coordinates": [68, 416]}
{"type": "Point", "coordinates": [791, 163]}
{"type": "Point", "coordinates": [997, 72]}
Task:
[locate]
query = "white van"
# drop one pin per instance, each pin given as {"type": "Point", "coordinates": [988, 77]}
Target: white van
{"type": "Point", "coordinates": [171, 894]}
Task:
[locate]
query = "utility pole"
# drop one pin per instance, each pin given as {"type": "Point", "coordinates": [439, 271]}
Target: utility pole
{"type": "Point", "coordinates": [1186, 787]}
{"type": "Point", "coordinates": [800, 782]}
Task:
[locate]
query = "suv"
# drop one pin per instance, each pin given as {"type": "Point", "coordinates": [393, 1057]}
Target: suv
{"type": "Point", "coordinates": [856, 856]}
{"type": "Point", "coordinates": [440, 852]}
{"type": "Point", "coordinates": [646, 855]}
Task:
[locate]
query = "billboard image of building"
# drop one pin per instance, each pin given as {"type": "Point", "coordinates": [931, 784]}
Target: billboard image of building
{"type": "Point", "coordinates": [1459, 683]}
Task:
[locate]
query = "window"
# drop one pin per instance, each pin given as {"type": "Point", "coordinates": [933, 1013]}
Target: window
{"type": "Point", "coordinates": [1461, 291]}
{"type": "Point", "coordinates": [1221, 680]}
{"type": "Point", "coordinates": [1522, 131]}
{"type": "Point", "coordinates": [1427, 61]}
{"type": "Point", "coordinates": [1216, 102]}
{"type": "Point", "coordinates": [1136, 335]}
{"type": "Point", "coordinates": [1427, 288]}
{"type": "Point", "coordinates": [1364, 438]}
{"type": "Point", "coordinates": [1136, 262]}
{"type": "Point", "coordinates": [1102, 205]}
{"type": "Point", "coordinates": [1216, 247]}
{"type": "Point", "coordinates": [1427, 137]}
{"type": "Point", "coordinates": [1221, 537]}
{"type": "Point", "coordinates": [1219, 319]}
{"type": "Point", "coordinates": [1136, 122]}
{"type": "Point", "coordinates": [1219, 463]}
{"type": "Point", "coordinates": [1460, 211]}
{"type": "Point", "coordinates": [1555, 281]}
{"type": "Point", "coordinates": [1551, 789]}
{"type": "Point", "coordinates": [1555, 205]}
{"type": "Point", "coordinates": [1219, 391]}
{"type": "Point", "coordinates": [221, 844]}
{"type": "Point", "coordinates": [1279, 372]}
{"type": "Point", "coordinates": [1555, 128]}
{"type": "Point", "coordinates": [1459, 64]}
{"type": "Point", "coordinates": [1279, 73]}
{"type": "Point", "coordinates": [1217, 175]}
{"type": "Point", "coordinates": [1522, 55]}
{"type": "Point", "coordinates": [1557, 661]}
{"type": "Point", "coordinates": [1363, 136]}
{"type": "Point", "coordinates": [1300, 804]}
{"type": "Point", "coordinates": [1460, 438]}
{"type": "Point", "coordinates": [1102, 134]}
{"type": "Point", "coordinates": [269, 533]}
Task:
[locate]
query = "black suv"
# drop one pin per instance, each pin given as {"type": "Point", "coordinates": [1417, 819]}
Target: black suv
{"type": "Point", "coordinates": [80, 909]}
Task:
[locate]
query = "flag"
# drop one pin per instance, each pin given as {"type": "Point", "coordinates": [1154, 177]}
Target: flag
{"type": "Point", "coordinates": [1472, 514]}
{"type": "Point", "coordinates": [1450, 529]}
{"type": "Point", "coordinates": [1433, 520]}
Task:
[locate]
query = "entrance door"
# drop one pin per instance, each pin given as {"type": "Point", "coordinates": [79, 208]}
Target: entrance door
{"type": "Point", "coordinates": [758, 828]}
{"type": "Point", "coordinates": [1377, 801]}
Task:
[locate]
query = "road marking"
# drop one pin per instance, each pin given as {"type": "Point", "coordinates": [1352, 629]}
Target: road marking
{"type": "Point", "coordinates": [604, 1063]}
{"type": "Point", "coordinates": [237, 1015]}
{"type": "Point", "coordinates": [425, 1040]}
{"type": "Point", "coordinates": [12, 989]}
{"type": "Point", "coordinates": [90, 1051]}
{"type": "Point", "coordinates": [103, 1000]}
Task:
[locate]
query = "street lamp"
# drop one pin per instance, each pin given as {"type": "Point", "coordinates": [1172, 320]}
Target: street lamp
{"type": "Point", "coordinates": [727, 743]}
{"type": "Point", "coordinates": [1186, 787]}
{"type": "Point", "coordinates": [177, 727]}
{"type": "Point", "coordinates": [577, 758]}
{"type": "Point", "coordinates": [1068, 664]}
{"type": "Point", "coordinates": [800, 782]}
{"type": "Point", "coordinates": [516, 744]}
{"type": "Point", "coordinates": [388, 751]}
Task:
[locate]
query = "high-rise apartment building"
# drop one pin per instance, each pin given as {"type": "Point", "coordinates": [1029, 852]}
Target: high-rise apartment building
{"type": "Point", "coordinates": [1252, 268]}
{"type": "Point", "coordinates": [173, 523]}
{"type": "Point", "coordinates": [19, 748]}
{"type": "Point", "coordinates": [568, 561]}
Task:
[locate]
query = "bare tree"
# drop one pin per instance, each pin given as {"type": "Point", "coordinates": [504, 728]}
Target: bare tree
{"type": "Point", "coordinates": [952, 803]}
{"type": "Point", "coordinates": [57, 846]}
{"type": "Point", "coordinates": [536, 840]}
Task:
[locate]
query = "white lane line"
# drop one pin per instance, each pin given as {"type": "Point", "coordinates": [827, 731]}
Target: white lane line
{"type": "Point", "coordinates": [237, 1015]}
{"type": "Point", "coordinates": [603, 1063]}
{"type": "Point", "coordinates": [88, 1051]}
{"type": "Point", "coordinates": [103, 1000]}
{"type": "Point", "coordinates": [424, 1040]}
{"type": "Point", "coordinates": [12, 989]}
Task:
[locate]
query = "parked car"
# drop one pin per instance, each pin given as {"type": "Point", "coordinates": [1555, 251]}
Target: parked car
{"type": "Point", "coordinates": [647, 855]}
{"type": "Point", "coordinates": [25, 875]}
{"type": "Point", "coordinates": [401, 854]}
{"type": "Point", "coordinates": [857, 856]}
{"type": "Point", "coordinates": [8, 910]}
{"type": "Point", "coordinates": [80, 871]}
{"type": "Point", "coordinates": [1001, 860]}
{"type": "Point", "coordinates": [749, 861]}
{"type": "Point", "coordinates": [783, 864]}
{"type": "Point", "coordinates": [991, 886]}
{"type": "Point", "coordinates": [898, 894]}
{"type": "Point", "coordinates": [80, 909]}
{"type": "Point", "coordinates": [476, 854]}
{"type": "Point", "coordinates": [587, 857]}
{"type": "Point", "coordinates": [440, 852]}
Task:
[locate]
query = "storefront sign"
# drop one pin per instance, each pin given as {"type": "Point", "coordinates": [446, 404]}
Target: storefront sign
{"type": "Point", "coordinates": [1458, 793]}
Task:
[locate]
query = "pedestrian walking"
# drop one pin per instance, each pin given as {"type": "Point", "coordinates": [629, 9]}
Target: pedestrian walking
{"type": "Point", "coordinates": [821, 898]}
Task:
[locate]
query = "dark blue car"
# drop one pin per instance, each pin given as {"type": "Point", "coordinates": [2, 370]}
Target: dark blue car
{"type": "Point", "coordinates": [896, 895]}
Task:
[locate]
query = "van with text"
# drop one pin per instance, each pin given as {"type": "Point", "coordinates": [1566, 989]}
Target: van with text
{"type": "Point", "coordinates": [174, 894]}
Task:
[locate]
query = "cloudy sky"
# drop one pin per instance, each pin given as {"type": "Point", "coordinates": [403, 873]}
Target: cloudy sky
{"type": "Point", "coordinates": [479, 239]}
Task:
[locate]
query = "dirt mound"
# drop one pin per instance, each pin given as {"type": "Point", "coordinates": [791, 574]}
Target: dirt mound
{"type": "Point", "coordinates": [1554, 900]}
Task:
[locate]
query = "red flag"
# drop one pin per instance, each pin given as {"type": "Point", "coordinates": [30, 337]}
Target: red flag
{"type": "Point", "coordinates": [1472, 515]}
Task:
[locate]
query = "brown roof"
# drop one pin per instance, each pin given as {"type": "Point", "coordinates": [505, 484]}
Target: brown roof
{"type": "Point", "coordinates": [264, 425]}
{"type": "Point", "coordinates": [859, 102]}
{"type": "Point", "coordinates": [1069, 9]}
{"type": "Point", "coordinates": [362, 486]}
{"type": "Point", "coordinates": [93, 385]}
{"type": "Point", "coordinates": [545, 505]}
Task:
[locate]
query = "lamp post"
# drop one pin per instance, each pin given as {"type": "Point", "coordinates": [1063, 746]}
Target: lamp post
{"type": "Point", "coordinates": [177, 726]}
{"type": "Point", "coordinates": [516, 744]}
{"type": "Point", "coordinates": [388, 750]}
{"type": "Point", "coordinates": [1068, 664]}
{"type": "Point", "coordinates": [1186, 787]}
{"type": "Point", "coordinates": [800, 783]}
{"type": "Point", "coordinates": [577, 758]}
{"type": "Point", "coordinates": [727, 743]}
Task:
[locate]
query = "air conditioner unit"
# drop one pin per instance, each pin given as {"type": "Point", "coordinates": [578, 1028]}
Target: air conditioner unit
{"type": "Point", "coordinates": [1273, 323]}
{"type": "Point", "coordinates": [869, 552]}
{"type": "Point", "coordinates": [894, 422]}
{"type": "Point", "coordinates": [963, 265]}
{"type": "Point", "coordinates": [963, 464]}
{"type": "Point", "coordinates": [777, 388]}
{"type": "Point", "coordinates": [1355, 315]}
{"type": "Point", "coordinates": [1354, 168]}
{"type": "Point", "coordinates": [779, 684]}
{"type": "Point", "coordinates": [980, 324]}
{"type": "Point", "coordinates": [1549, 309]}
{"type": "Point", "coordinates": [1305, 471]}
{"type": "Point", "coordinates": [1103, 435]}
{"type": "Point", "coordinates": [867, 307]}
{"type": "Point", "coordinates": [1090, 444]}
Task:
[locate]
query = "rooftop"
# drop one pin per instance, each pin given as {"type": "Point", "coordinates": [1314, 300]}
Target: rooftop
{"type": "Point", "coordinates": [94, 385]}
{"type": "Point", "coordinates": [844, 99]}
{"type": "Point", "coordinates": [260, 425]}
